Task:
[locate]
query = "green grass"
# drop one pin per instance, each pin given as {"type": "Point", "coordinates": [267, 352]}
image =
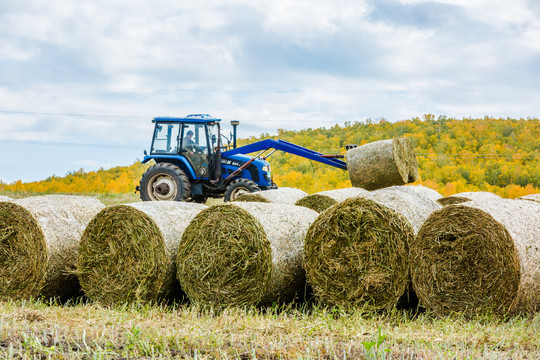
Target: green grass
{"type": "Point", "coordinates": [37, 329]}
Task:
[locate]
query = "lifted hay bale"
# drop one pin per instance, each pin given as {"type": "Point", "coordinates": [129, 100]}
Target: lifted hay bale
{"type": "Point", "coordinates": [5, 198]}
{"type": "Point", "coordinates": [323, 200]}
{"type": "Point", "coordinates": [467, 196]}
{"type": "Point", "coordinates": [284, 195]}
{"type": "Point", "coordinates": [244, 254]}
{"type": "Point", "coordinates": [356, 252]}
{"type": "Point", "coordinates": [128, 252]}
{"type": "Point", "coordinates": [479, 257]}
{"type": "Point", "coordinates": [531, 197]}
{"type": "Point", "coordinates": [382, 163]}
{"type": "Point", "coordinates": [39, 242]}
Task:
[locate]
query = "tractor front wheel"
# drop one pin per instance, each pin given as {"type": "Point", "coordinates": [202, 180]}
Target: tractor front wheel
{"type": "Point", "coordinates": [164, 182]}
{"type": "Point", "coordinates": [240, 187]}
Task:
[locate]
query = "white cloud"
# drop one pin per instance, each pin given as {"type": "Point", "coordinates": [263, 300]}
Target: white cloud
{"type": "Point", "coordinates": [270, 64]}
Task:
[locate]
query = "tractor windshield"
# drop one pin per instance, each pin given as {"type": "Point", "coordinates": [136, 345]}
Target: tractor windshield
{"type": "Point", "coordinates": [195, 147]}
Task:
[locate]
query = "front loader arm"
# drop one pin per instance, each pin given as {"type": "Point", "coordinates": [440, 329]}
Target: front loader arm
{"type": "Point", "coordinates": [291, 148]}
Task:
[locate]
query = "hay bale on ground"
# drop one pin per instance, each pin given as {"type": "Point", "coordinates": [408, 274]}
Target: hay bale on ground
{"type": "Point", "coordinates": [531, 197]}
{"type": "Point", "coordinates": [244, 254]}
{"type": "Point", "coordinates": [39, 242]}
{"type": "Point", "coordinates": [323, 200]}
{"type": "Point", "coordinates": [284, 195]}
{"type": "Point", "coordinates": [382, 163]}
{"type": "Point", "coordinates": [5, 198]}
{"type": "Point", "coordinates": [356, 252]}
{"type": "Point", "coordinates": [479, 257]}
{"type": "Point", "coordinates": [128, 252]}
{"type": "Point", "coordinates": [421, 190]}
{"type": "Point", "coordinates": [467, 196]}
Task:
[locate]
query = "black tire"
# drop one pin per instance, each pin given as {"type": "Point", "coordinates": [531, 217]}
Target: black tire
{"type": "Point", "coordinates": [239, 187]}
{"type": "Point", "coordinates": [199, 199]}
{"type": "Point", "coordinates": [164, 182]}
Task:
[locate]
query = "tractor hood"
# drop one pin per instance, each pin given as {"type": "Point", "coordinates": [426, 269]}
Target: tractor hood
{"type": "Point", "coordinates": [238, 160]}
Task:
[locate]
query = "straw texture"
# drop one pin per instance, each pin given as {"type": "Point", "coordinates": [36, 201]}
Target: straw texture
{"type": "Point", "coordinates": [23, 253]}
{"type": "Point", "coordinates": [382, 163]}
{"type": "Point", "coordinates": [244, 254]}
{"type": "Point", "coordinates": [531, 197]}
{"type": "Point", "coordinates": [128, 252]}
{"type": "Point", "coordinates": [356, 252]}
{"type": "Point", "coordinates": [479, 257]}
{"type": "Point", "coordinates": [420, 190]}
{"type": "Point", "coordinates": [284, 195]}
{"type": "Point", "coordinates": [467, 196]}
{"type": "Point", "coordinates": [56, 221]}
{"type": "Point", "coordinates": [324, 199]}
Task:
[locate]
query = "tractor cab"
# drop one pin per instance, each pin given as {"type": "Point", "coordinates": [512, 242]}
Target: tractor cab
{"type": "Point", "coordinates": [195, 137]}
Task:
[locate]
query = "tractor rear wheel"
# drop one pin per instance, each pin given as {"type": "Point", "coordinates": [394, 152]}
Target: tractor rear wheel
{"type": "Point", "coordinates": [240, 187]}
{"type": "Point", "coordinates": [164, 182]}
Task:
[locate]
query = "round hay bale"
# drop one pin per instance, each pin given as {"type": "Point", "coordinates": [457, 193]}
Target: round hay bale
{"type": "Point", "coordinates": [415, 207]}
{"type": "Point", "coordinates": [467, 196]}
{"type": "Point", "coordinates": [323, 200]}
{"type": "Point", "coordinates": [382, 163]}
{"type": "Point", "coordinates": [23, 253]}
{"type": "Point", "coordinates": [420, 190]}
{"type": "Point", "coordinates": [39, 243]}
{"type": "Point", "coordinates": [356, 252]}
{"type": "Point", "coordinates": [479, 257]}
{"type": "Point", "coordinates": [284, 195]}
{"type": "Point", "coordinates": [128, 252]}
{"type": "Point", "coordinates": [531, 197]}
{"type": "Point", "coordinates": [411, 161]}
{"type": "Point", "coordinates": [244, 254]}
{"type": "Point", "coordinates": [5, 198]}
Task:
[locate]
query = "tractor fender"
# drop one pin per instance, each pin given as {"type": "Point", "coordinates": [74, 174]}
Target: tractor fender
{"type": "Point", "coordinates": [179, 161]}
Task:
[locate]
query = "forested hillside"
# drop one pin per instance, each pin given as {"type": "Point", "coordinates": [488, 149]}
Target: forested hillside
{"type": "Point", "coordinates": [497, 155]}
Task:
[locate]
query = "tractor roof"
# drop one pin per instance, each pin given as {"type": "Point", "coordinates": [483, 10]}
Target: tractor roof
{"type": "Point", "coordinates": [193, 118]}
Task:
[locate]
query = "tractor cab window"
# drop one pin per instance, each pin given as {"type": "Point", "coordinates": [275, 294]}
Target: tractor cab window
{"type": "Point", "coordinates": [213, 133]}
{"type": "Point", "coordinates": [195, 147]}
{"type": "Point", "coordinates": [165, 139]}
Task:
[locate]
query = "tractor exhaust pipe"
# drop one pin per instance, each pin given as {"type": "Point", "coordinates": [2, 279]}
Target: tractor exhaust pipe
{"type": "Point", "coordinates": [234, 124]}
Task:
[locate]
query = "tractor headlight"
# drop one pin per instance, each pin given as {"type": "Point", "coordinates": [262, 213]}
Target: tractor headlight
{"type": "Point", "coordinates": [266, 168]}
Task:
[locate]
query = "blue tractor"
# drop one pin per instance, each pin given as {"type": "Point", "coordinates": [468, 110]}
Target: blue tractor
{"type": "Point", "coordinates": [194, 161]}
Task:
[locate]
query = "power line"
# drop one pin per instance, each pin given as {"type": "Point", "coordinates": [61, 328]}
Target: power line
{"type": "Point", "coordinates": [70, 114]}
{"type": "Point", "coordinates": [478, 155]}
{"type": "Point", "coordinates": [68, 144]}
{"type": "Point", "coordinates": [151, 117]}
{"type": "Point", "coordinates": [277, 91]}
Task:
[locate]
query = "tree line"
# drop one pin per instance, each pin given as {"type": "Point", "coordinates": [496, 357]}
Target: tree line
{"type": "Point", "coordinates": [454, 155]}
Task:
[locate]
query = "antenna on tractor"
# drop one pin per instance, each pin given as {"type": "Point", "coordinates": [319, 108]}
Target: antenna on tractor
{"type": "Point", "coordinates": [234, 124]}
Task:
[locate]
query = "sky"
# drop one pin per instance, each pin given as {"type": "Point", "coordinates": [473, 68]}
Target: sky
{"type": "Point", "coordinates": [80, 81]}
